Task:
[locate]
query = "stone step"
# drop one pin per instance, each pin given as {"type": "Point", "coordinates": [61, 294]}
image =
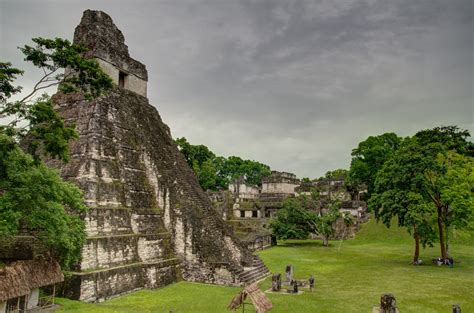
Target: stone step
{"type": "Point", "coordinates": [159, 262]}
{"type": "Point", "coordinates": [255, 273]}
{"type": "Point", "coordinates": [157, 235]}
{"type": "Point", "coordinates": [110, 251]}
{"type": "Point", "coordinates": [255, 277]}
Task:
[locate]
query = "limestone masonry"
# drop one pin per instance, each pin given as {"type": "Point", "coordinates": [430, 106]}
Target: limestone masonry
{"type": "Point", "coordinates": [149, 223]}
{"type": "Point", "coordinates": [248, 209]}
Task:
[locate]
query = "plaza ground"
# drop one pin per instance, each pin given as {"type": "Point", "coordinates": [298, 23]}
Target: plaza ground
{"type": "Point", "coordinates": [349, 276]}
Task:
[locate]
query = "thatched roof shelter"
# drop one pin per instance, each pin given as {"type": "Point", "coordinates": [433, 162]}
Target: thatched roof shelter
{"type": "Point", "coordinates": [259, 300]}
{"type": "Point", "coordinates": [19, 278]}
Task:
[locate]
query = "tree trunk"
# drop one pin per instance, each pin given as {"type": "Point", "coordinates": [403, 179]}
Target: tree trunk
{"type": "Point", "coordinates": [446, 229]}
{"type": "Point", "coordinates": [441, 234]}
{"type": "Point", "coordinates": [417, 248]}
{"type": "Point", "coordinates": [325, 241]}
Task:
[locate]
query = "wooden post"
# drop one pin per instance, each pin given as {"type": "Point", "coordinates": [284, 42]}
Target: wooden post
{"type": "Point", "coordinates": [54, 292]}
{"type": "Point", "coordinates": [456, 308]}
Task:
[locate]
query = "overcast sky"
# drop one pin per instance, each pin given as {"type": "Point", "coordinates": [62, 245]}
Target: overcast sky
{"type": "Point", "coordinates": [293, 84]}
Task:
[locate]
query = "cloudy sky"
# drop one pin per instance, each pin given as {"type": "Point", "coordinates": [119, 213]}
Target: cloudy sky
{"type": "Point", "coordinates": [293, 84]}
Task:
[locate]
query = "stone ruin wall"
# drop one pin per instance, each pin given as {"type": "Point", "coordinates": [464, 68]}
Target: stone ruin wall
{"type": "Point", "coordinates": [149, 223]}
{"type": "Point", "coordinates": [131, 81]}
{"type": "Point", "coordinates": [269, 198]}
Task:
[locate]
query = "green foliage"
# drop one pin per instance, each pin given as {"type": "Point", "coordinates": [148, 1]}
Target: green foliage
{"type": "Point", "coordinates": [215, 172]}
{"type": "Point", "coordinates": [35, 199]}
{"type": "Point", "coordinates": [424, 184]}
{"type": "Point", "coordinates": [325, 223]}
{"type": "Point", "coordinates": [303, 215]}
{"type": "Point", "coordinates": [339, 173]}
{"type": "Point", "coordinates": [83, 74]}
{"type": "Point", "coordinates": [206, 174]}
{"type": "Point", "coordinates": [194, 154]}
{"type": "Point", "coordinates": [450, 137]}
{"type": "Point", "coordinates": [306, 180]}
{"type": "Point", "coordinates": [7, 77]}
{"type": "Point", "coordinates": [294, 220]}
{"type": "Point", "coordinates": [369, 157]}
{"type": "Point", "coordinates": [234, 167]}
{"type": "Point", "coordinates": [35, 118]}
{"type": "Point", "coordinates": [456, 187]}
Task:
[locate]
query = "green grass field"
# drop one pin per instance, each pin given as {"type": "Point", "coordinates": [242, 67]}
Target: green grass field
{"type": "Point", "coordinates": [349, 279]}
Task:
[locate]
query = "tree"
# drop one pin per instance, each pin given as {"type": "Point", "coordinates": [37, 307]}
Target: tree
{"type": "Point", "coordinates": [443, 140]}
{"type": "Point", "coordinates": [451, 137]}
{"type": "Point", "coordinates": [206, 174]}
{"type": "Point", "coordinates": [33, 198]}
{"type": "Point", "coordinates": [450, 186]}
{"type": "Point", "coordinates": [339, 173]}
{"type": "Point", "coordinates": [369, 157]}
{"type": "Point", "coordinates": [423, 184]}
{"type": "Point", "coordinates": [294, 220]}
{"type": "Point", "coordinates": [216, 172]}
{"type": "Point", "coordinates": [303, 215]}
{"type": "Point", "coordinates": [36, 117]}
{"type": "Point", "coordinates": [325, 223]}
{"type": "Point", "coordinates": [235, 167]}
{"type": "Point", "coordinates": [36, 199]}
{"type": "Point", "coordinates": [195, 155]}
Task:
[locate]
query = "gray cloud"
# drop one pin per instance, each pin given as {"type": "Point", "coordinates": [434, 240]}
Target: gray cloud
{"type": "Point", "coordinates": [294, 84]}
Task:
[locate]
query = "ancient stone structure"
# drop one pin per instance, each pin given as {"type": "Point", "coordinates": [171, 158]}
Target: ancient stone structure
{"type": "Point", "coordinates": [149, 222]}
{"type": "Point", "coordinates": [311, 282]}
{"type": "Point", "coordinates": [276, 282]}
{"type": "Point", "coordinates": [248, 208]}
{"type": "Point", "coordinates": [289, 273]}
{"type": "Point", "coordinates": [275, 189]}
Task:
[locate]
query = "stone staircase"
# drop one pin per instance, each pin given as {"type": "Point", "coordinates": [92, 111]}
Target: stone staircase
{"type": "Point", "coordinates": [256, 272]}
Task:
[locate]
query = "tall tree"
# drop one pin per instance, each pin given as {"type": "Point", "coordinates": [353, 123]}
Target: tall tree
{"type": "Point", "coordinates": [369, 157]}
{"type": "Point", "coordinates": [34, 198]}
{"type": "Point", "coordinates": [445, 139]}
{"type": "Point", "coordinates": [423, 183]}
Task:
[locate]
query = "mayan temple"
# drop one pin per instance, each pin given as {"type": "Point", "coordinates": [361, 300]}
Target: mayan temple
{"type": "Point", "coordinates": [149, 224]}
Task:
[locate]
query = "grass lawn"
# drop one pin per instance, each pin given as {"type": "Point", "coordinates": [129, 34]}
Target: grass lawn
{"type": "Point", "coordinates": [349, 279]}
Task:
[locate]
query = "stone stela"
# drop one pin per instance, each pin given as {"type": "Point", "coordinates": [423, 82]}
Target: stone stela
{"type": "Point", "coordinates": [289, 274]}
{"type": "Point", "coordinates": [276, 282]}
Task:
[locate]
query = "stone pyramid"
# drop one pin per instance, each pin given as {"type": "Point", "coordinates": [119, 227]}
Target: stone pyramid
{"type": "Point", "coordinates": [149, 223]}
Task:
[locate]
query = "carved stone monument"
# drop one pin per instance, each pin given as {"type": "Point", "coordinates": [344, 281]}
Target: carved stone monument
{"type": "Point", "coordinates": [311, 283]}
{"type": "Point", "coordinates": [276, 282]}
{"type": "Point", "coordinates": [293, 287]}
{"type": "Point", "coordinates": [289, 273]}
